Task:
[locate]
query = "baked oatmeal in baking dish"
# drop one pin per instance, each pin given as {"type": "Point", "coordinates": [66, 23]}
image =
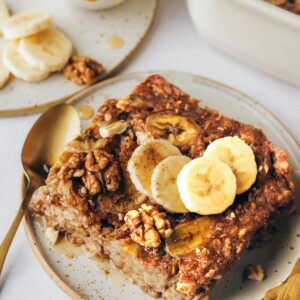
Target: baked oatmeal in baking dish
{"type": "Point", "coordinates": [170, 191]}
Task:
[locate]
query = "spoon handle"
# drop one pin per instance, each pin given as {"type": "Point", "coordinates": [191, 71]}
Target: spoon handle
{"type": "Point", "coordinates": [4, 247]}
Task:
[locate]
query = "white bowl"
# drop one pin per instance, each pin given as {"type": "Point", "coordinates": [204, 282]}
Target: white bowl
{"type": "Point", "coordinates": [256, 32]}
{"type": "Point", "coordinates": [96, 4]}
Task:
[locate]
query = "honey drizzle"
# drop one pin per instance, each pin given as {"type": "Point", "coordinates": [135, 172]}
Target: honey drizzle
{"type": "Point", "coordinates": [85, 112]}
{"type": "Point", "coordinates": [115, 42]}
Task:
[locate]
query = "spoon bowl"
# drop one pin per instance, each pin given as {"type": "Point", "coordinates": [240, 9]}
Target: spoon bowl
{"type": "Point", "coordinates": [43, 146]}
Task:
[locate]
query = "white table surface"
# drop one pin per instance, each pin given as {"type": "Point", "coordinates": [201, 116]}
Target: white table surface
{"type": "Point", "coordinates": [173, 44]}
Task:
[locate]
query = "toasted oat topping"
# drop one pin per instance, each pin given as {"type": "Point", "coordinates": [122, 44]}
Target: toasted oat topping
{"type": "Point", "coordinates": [147, 226]}
{"type": "Point", "coordinates": [83, 70]}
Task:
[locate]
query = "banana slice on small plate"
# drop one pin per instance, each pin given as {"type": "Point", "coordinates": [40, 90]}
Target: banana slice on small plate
{"type": "Point", "coordinates": [15, 63]}
{"type": "Point", "coordinates": [144, 160]}
{"type": "Point", "coordinates": [163, 184]}
{"type": "Point", "coordinates": [234, 152]}
{"type": "Point", "coordinates": [4, 72]}
{"type": "Point", "coordinates": [26, 23]}
{"type": "Point", "coordinates": [207, 186]}
{"type": "Point", "coordinates": [4, 13]}
{"type": "Point", "coordinates": [48, 50]}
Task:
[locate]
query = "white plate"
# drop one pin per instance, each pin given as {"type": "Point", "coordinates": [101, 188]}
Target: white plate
{"type": "Point", "coordinates": [277, 258]}
{"type": "Point", "coordinates": [89, 31]}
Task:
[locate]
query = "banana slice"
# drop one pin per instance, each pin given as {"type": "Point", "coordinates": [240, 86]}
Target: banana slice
{"type": "Point", "coordinates": [206, 186]}
{"type": "Point", "coordinates": [189, 235]}
{"type": "Point", "coordinates": [15, 63]}
{"type": "Point", "coordinates": [238, 156]}
{"type": "Point", "coordinates": [4, 73]}
{"type": "Point", "coordinates": [163, 183]}
{"type": "Point", "coordinates": [178, 130]}
{"type": "Point", "coordinates": [48, 50]}
{"type": "Point", "coordinates": [4, 13]}
{"type": "Point", "coordinates": [26, 23]}
{"type": "Point", "coordinates": [143, 161]}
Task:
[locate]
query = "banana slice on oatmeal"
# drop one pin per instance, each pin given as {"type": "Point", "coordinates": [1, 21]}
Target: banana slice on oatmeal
{"type": "Point", "coordinates": [234, 152]}
{"type": "Point", "coordinates": [207, 186]}
{"type": "Point", "coordinates": [163, 184]}
{"type": "Point", "coordinates": [144, 160]}
{"type": "Point", "coordinates": [178, 130]}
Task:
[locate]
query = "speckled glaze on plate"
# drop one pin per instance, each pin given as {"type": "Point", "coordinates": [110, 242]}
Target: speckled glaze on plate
{"type": "Point", "coordinates": [89, 32]}
{"type": "Point", "coordinates": [79, 277]}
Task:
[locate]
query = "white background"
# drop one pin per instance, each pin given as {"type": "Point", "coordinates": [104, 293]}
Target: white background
{"type": "Point", "coordinates": [173, 44]}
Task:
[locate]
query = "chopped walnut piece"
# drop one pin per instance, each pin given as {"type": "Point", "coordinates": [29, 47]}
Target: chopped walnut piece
{"type": "Point", "coordinates": [255, 272]}
{"type": "Point", "coordinates": [92, 183]}
{"type": "Point", "coordinates": [147, 226]}
{"type": "Point", "coordinates": [112, 177]}
{"type": "Point", "coordinates": [83, 70]}
{"type": "Point", "coordinates": [70, 167]}
{"type": "Point", "coordinates": [82, 174]}
{"type": "Point", "coordinates": [97, 160]}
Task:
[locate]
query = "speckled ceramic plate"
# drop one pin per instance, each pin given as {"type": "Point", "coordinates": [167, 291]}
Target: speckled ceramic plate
{"type": "Point", "coordinates": [90, 32]}
{"type": "Point", "coordinates": [81, 277]}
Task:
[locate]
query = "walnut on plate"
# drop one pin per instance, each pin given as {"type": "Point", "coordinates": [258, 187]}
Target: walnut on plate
{"type": "Point", "coordinates": [83, 70]}
{"type": "Point", "coordinates": [255, 272]}
{"type": "Point", "coordinates": [147, 226]}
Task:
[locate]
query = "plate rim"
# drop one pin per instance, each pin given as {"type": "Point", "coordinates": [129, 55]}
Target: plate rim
{"type": "Point", "coordinates": [38, 253]}
{"type": "Point", "coordinates": [27, 222]}
{"type": "Point", "coordinates": [34, 109]}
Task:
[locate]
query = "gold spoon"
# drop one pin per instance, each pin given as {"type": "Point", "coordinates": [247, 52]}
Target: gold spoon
{"type": "Point", "coordinates": [44, 144]}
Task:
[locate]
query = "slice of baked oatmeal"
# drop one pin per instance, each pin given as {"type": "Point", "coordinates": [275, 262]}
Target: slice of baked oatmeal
{"type": "Point", "coordinates": [89, 192]}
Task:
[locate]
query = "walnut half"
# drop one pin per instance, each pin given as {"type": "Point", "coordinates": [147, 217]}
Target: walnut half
{"type": "Point", "coordinates": [96, 171]}
{"type": "Point", "coordinates": [147, 226]}
{"type": "Point", "coordinates": [83, 70]}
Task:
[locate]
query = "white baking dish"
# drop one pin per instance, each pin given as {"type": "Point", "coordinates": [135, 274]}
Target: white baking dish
{"type": "Point", "coordinates": [256, 32]}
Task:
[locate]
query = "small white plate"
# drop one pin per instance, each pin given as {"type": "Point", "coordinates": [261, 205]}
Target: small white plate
{"type": "Point", "coordinates": [90, 32]}
{"type": "Point", "coordinates": [80, 276]}
{"type": "Point", "coordinates": [96, 4]}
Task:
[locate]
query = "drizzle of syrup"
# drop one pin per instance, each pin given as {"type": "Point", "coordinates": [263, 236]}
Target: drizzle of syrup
{"type": "Point", "coordinates": [85, 112]}
{"type": "Point", "coordinates": [64, 247]}
{"type": "Point", "coordinates": [116, 277]}
{"type": "Point", "coordinates": [115, 42]}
